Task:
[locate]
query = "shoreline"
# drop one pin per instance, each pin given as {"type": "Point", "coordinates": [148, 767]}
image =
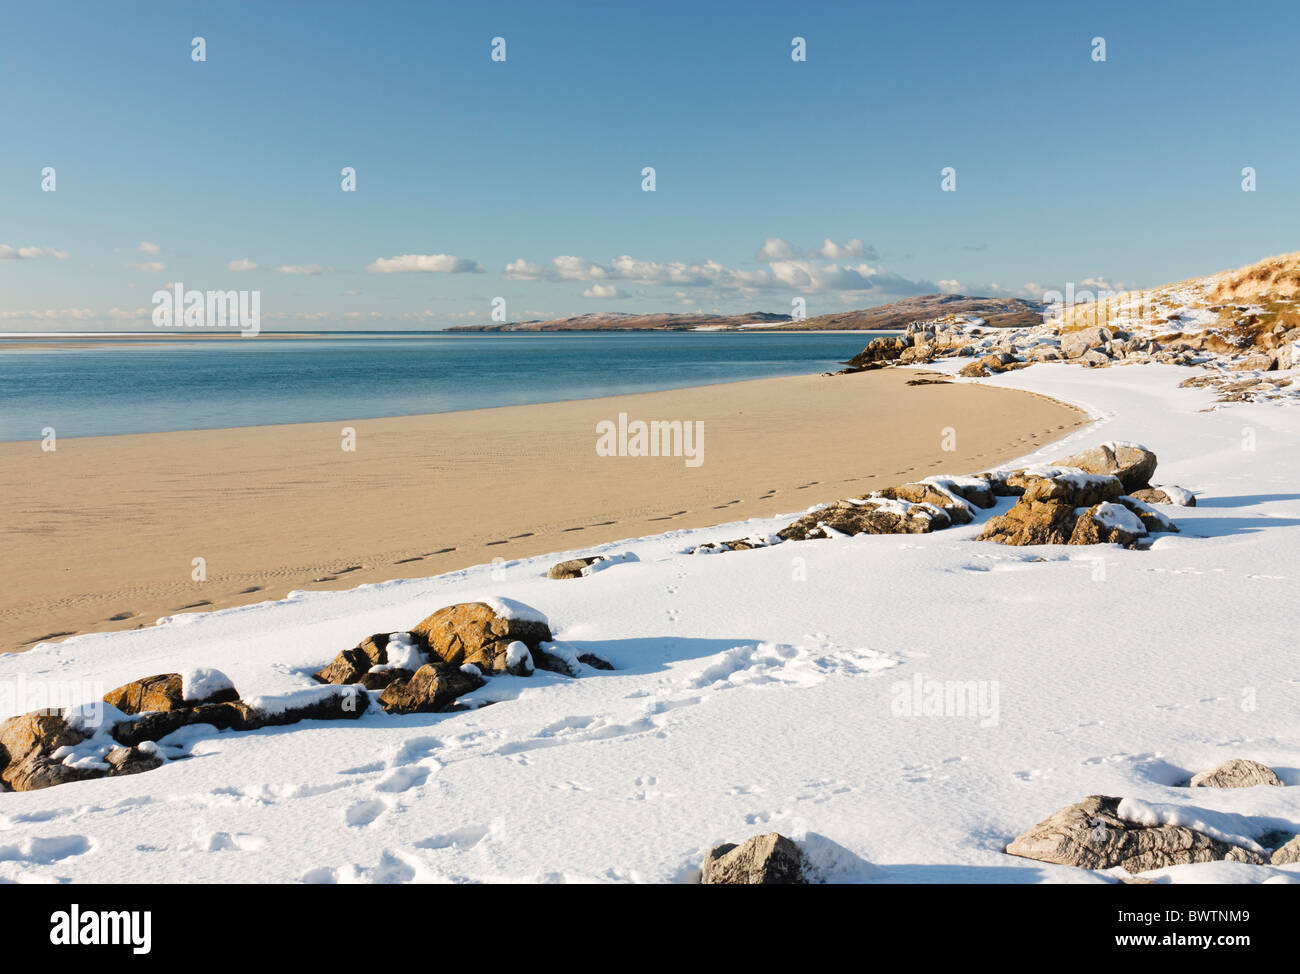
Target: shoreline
{"type": "Point", "coordinates": [107, 528]}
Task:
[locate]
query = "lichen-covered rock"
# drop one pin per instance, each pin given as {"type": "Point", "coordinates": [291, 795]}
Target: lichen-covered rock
{"type": "Point", "coordinates": [764, 860]}
{"type": "Point", "coordinates": [26, 743]}
{"type": "Point", "coordinates": [1069, 484]}
{"type": "Point", "coordinates": [161, 692]}
{"type": "Point", "coordinates": [432, 689]}
{"type": "Point", "coordinates": [473, 632]}
{"type": "Point", "coordinates": [1132, 463]}
{"type": "Point", "coordinates": [1237, 773]}
{"type": "Point", "coordinates": [1092, 835]}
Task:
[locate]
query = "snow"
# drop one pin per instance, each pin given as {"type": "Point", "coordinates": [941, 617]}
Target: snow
{"type": "Point", "coordinates": [402, 653]}
{"type": "Point", "coordinates": [752, 693]}
{"type": "Point", "coordinates": [1177, 495]}
{"type": "Point", "coordinates": [518, 657]}
{"type": "Point", "coordinates": [202, 684]}
{"type": "Point", "coordinates": [1117, 516]}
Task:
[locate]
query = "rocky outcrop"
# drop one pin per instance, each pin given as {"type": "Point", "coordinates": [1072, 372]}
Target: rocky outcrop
{"type": "Point", "coordinates": [1068, 505]}
{"type": "Point", "coordinates": [1077, 344]}
{"type": "Point", "coordinates": [764, 860]}
{"type": "Point", "coordinates": [432, 689]}
{"type": "Point", "coordinates": [27, 745]}
{"type": "Point", "coordinates": [1133, 464]}
{"type": "Point", "coordinates": [1237, 773]}
{"type": "Point", "coordinates": [1092, 835]}
{"type": "Point", "coordinates": [167, 691]}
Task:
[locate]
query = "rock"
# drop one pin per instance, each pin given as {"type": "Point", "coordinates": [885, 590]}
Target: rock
{"type": "Point", "coordinates": [595, 662]}
{"type": "Point", "coordinates": [764, 860]}
{"type": "Point", "coordinates": [1044, 353]}
{"type": "Point", "coordinates": [979, 490]}
{"type": "Point", "coordinates": [1152, 520]}
{"type": "Point", "coordinates": [472, 632]}
{"type": "Point", "coordinates": [881, 516]}
{"type": "Point", "coordinates": [349, 666]}
{"type": "Point", "coordinates": [1177, 496]}
{"type": "Point", "coordinates": [957, 508]}
{"type": "Point", "coordinates": [519, 661]}
{"type": "Point", "coordinates": [1108, 523]}
{"type": "Point", "coordinates": [162, 692]}
{"type": "Point", "coordinates": [1287, 854]}
{"type": "Point", "coordinates": [1094, 358]}
{"type": "Point", "coordinates": [352, 664]}
{"type": "Point", "coordinates": [573, 568]}
{"type": "Point", "coordinates": [1032, 523]}
{"type": "Point", "coordinates": [133, 760]}
{"type": "Point", "coordinates": [916, 354]}
{"type": "Point", "coordinates": [1237, 773]}
{"type": "Point", "coordinates": [156, 725]}
{"type": "Point", "coordinates": [1257, 361]}
{"type": "Point", "coordinates": [1091, 835]}
{"type": "Point", "coordinates": [433, 689]}
{"type": "Point", "coordinates": [1068, 484]}
{"type": "Point", "coordinates": [973, 370]}
{"type": "Point", "coordinates": [881, 349]}
{"type": "Point", "coordinates": [380, 679]}
{"type": "Point", "coordinates": [1076, 344]}
{"type": "Point", "coordinates": [1131, 463]}
{"type": "Point", "coordinates": [341, 703]}
{"type": "Point", "coordinates": [26, 743]}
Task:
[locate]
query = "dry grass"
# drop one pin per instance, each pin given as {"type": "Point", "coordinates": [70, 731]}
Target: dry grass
{"type": "Point", "coordinates": [1276, 277]}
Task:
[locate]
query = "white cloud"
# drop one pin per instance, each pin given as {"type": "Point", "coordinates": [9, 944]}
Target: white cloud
{"type": "Point", "coordinates": [604, 291]}
{"type": "Point", "coordinates": [243, 264]}
{"type": "Point", "coordinates": [778, 248]}
{"type": "Point", "coordinates": [304, 269]}
{"type": "Point", "coordinates": [151, 267]}
{"type": "Point", "coordinates": [30, 253]}
{"type": "Point", "coordinates": [148, 248]}
{"type": "Point", "coordinates": [429, 263]}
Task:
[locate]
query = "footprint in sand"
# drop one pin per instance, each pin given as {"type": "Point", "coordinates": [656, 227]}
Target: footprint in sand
{"type": "Point", "coordinates": [120, 616]}
{"type": "Point", "coordinates": [193, 605]}
{"type": "Point", "coordinates": [403, 561]}
{"type": "Point", "coordinates": [250, 590]}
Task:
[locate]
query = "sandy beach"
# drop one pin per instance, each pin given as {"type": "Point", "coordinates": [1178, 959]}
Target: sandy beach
{"type": "Point", "coordinates": [102, 533]}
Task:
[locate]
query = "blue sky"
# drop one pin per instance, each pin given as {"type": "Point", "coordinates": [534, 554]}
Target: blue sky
{"type": "Point", "coordinates": [1127, 171]}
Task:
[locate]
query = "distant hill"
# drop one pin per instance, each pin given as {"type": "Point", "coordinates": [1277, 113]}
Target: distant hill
{"type": "Point", "coordinates": [997, 312]}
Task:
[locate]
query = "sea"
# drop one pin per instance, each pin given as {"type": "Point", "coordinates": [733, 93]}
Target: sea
{"type": "Point", "coordinates": [112, 388]}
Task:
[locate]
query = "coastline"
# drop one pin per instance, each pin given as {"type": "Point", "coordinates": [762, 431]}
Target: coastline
{"type": "Point", "coordinates": [106, 529]}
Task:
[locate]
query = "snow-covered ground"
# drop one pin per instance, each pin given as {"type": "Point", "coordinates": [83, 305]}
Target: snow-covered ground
{"type": "Point", "coordinates": [755, 691]}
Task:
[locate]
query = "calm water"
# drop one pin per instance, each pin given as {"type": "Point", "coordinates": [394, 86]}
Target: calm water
{"type": "Point", "coordinates": [252, 382]}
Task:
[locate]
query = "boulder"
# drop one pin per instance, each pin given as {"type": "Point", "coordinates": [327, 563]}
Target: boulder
{"type": "Point", "coordinates": [26, 743]}
{"type": "Point", "coordinates": [764, 860]}
{"type": "Point", "coordinates": [1131, 463]}
{"type": "Point", "coordinates": [155, 725]}
{"type": "Point", "coordinates": [1176, 496]}
{"type": "Point", "coordinates": [1076, 344]}
{"type": "Point", "coordinates": [381, 679]}
{"type": "Point", "coordinates": [1091, 835]}
{"type": "Point", "coordinates": [1032, 523]}
{"type": "Point", "coordinates": [573, 568]}
{"type": "Point", "coordinates": [883, 349]}
{"type": "Point", "coordinates": [432, 689]}
{"type": "Point", "coordinates": [1108, 523]}
{"type": "Point", "coordinates": [867, 516]}
{"type": "Point", "coordinates": [133, 760]}
{"type": "Point", "coordinates": [331, 703]}
{"type": "Point", "coordinates": [977, 490]}
{"type": "Point", "coordinates": [472, 632]}
{"type": "Point", "coordinates": [1069, 484]}
{"type": "Point", "coordinates": [162, 692]}
{"type": "Point", "coordinates": [1152, 520]}
{"type": "Point", "coordinates": [957, 508]}
{"type": "Point", "coordinates": [1287, 854]}
{"type": "Point", "coordinates": [1237, 773]}
{"type": "Point", "coordinates": [352, 664]}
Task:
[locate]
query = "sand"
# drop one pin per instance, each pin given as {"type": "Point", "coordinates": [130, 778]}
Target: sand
{"type": "Point", "coordinates": [102, 533]}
